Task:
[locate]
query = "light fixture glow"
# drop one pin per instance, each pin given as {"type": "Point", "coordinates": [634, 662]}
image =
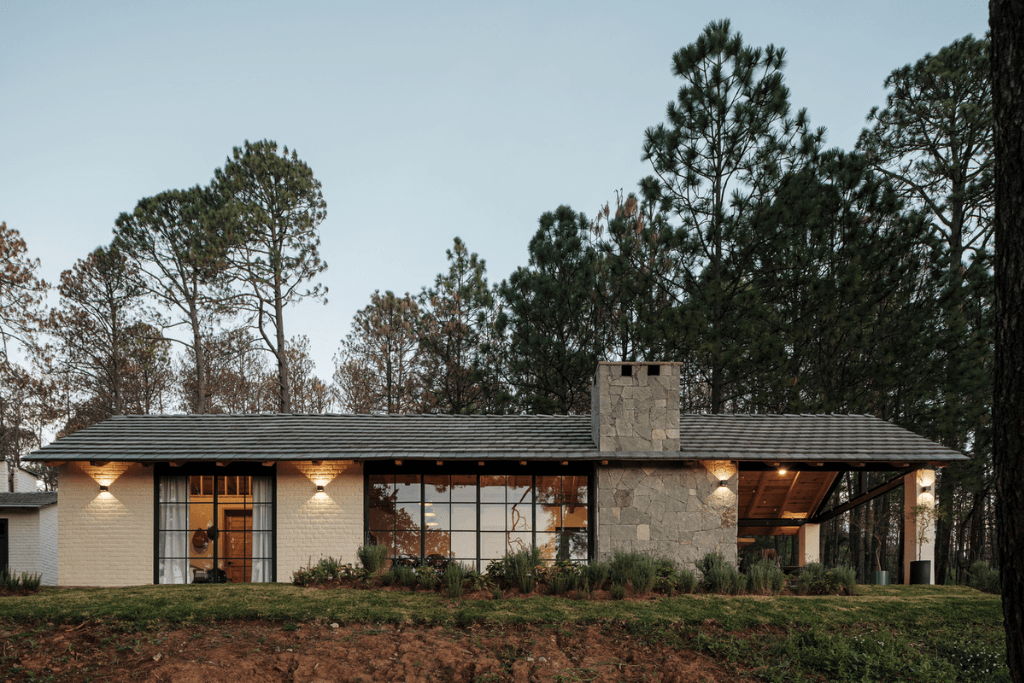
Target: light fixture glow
{"type": "Point", "coordinates": [782, 470]}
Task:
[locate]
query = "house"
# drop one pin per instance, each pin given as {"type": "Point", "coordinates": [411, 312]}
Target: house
{"type": "Point", "coordinates": [207, 498]}
{"type": "Point", "coordinates": [28, 528]}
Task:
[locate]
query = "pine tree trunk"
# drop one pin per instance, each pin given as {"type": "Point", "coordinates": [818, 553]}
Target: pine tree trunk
{"type": "Point", "coordinates": [1007, 25]}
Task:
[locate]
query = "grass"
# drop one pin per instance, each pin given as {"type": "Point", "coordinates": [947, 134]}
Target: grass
{"type": "Point", "coordinates": [916, 633]}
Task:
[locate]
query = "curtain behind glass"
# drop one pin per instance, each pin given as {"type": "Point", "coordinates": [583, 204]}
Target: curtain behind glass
{"type": "Point", "coordinates": [262, 528]}
{"type": "Point", "coordinates": [174, 530]}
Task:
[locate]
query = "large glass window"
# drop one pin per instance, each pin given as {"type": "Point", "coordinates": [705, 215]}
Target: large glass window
{"type": "Point", "coordinates": [214, 528]}
{"type": "Point", "coordinates": [433, 518]}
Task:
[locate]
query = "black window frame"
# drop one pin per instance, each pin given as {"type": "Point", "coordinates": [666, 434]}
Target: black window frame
{"type": "Point", "coordinates": [496, 468]}
{"type": "Point", "coordinates": [200, 469]}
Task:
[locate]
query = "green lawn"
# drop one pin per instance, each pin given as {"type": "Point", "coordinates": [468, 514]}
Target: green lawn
{"type": "Point", "coordinates": [913, 633]}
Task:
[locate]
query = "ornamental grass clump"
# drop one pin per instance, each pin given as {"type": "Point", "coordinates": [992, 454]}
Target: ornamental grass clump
{"type": "Point", "coordinates": [814, 579]}
{"type": "Point", "coordinates": [635, 569]}
{"type": "Point", "coordinates": [597, 574]}
{"type": "Point", "coordinates": [565, 577]}
{"type": "Point", "coordinates": [765, 577]}
{"type": "Point", "coordinates": [518, 569]}
{"type": "Point", "coordinates": [373, 558]}
{"type": "Point", "coordinates": [454, 575]}
{"type": "Point", "coordinates": [718, 576]}
{"type": "Point", "coordinates": [11, 582]}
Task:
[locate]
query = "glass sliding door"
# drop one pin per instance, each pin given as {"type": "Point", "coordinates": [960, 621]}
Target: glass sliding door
{"type": "Point", "coordinates": [430, 518]}
{"type": "Point", "coordinates": [214, 528]}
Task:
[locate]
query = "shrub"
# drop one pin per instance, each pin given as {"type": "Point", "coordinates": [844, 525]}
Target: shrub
{"type": "Point", "coordinates": [31, 582]}
{"type": "Point", "coordinates": [518, 569]}
{"type": "Point", "coordinates": [326, 569]}
{"type": "Point", "coordinates": [454, 575]}
{"type": "Point", "coordinates": [765, 577]}
{"type": "Point", "coordinates": [373, 558]}
{"type": "Point", "coordinates": [564, 577]}
{"type": "Point", "coordinates": [684, 581]}
{"type": "Point", "coordinates": [814, 579]}
{"type": "Point", "coordinates": [388, 579]}
{"type": "Point", "coordinates": [618, 591]}
{"type": "Point", "coordinates": [597, 574]}
{"type": "Point", "coordinates": [635, 569]}
{"type": "Point", "coordinates": [718, 576]}
{"type": "Point", "coordinates": [405, 576]}
{"type": "Point", "coordinates": [984, 577]}
{"type": "Point", "coordinates": [427, 578]}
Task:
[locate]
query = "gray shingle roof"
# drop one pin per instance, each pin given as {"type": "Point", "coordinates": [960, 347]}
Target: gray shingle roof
{"type": "Point", "coordinates": [472, 437]}
{"type": "Point", "coordinates": [28, 500]}
{"type": "Point", "coordinates": [805, 437]}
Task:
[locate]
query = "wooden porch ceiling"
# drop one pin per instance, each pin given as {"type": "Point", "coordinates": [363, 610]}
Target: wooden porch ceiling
{"type": "Point", "coordinates": [771, 495]}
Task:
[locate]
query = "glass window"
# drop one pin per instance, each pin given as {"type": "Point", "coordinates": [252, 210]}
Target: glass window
{"type": "Point", "coordinates": [215, 529]}
{"type": "Point", "coordinates": [434, 518]}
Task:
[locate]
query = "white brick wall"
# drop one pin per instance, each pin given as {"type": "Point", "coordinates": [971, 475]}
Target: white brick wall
{"type": "Point", "coordinates": [48, 544]}
{"type": "Point", "coordinates": [22, 539]}
{"type": "Point", "coordinates": [24, 482]}
{"type": "Point", "coordinates": [105, 539]}
{"type": "Point", "coordinates": [313, 525]}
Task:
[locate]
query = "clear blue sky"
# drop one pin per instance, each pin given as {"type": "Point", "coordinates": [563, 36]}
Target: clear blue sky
{"type": "Point", "coordinates": [423, 121]}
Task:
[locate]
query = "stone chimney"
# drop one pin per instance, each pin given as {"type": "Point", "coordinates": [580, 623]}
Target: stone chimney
{"type": "Point", "coordinates": [635, 407]}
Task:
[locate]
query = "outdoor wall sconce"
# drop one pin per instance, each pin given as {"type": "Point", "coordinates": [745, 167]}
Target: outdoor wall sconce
{"type": "Point", "coordinates": [104, 488]}
{"type": "Point", "coordinates": [320, 488]}
{"type": "Point", "coordinates": [782, 470]}
{"type": "Point", "coordinates": [723, 483]}
{"type": "Point", "coordinates": [926, 489]}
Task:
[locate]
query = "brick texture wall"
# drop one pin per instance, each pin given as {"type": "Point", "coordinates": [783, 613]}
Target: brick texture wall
{"type": "Point", "coordinates": [48, 544]}
{"type": "Point", "coordinates": [105, 539]}
{"type": "Point", "coordinates": [312, 525]}
{"type": "Point", "coordinates": [22, 539]}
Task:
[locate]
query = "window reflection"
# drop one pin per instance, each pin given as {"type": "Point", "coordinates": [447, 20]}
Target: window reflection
{"type": "Point", "coordinates": [436, 518]}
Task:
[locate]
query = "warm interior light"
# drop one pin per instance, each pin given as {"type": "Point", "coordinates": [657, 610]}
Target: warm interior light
{"type": "Point", "coordinates": [430, 514]}
{"type": "Point", "coordinates": [782, 470]}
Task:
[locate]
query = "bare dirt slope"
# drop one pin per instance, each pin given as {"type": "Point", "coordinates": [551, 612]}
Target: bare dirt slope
{"type": "Point", "coordinates": [253, 652]}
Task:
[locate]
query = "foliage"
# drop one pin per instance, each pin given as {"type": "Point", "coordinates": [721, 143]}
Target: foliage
{"type": "Point", "coordinates": [405, 575]}
{"type": "Point", "coordinates": [520, 569]}
{"type": "Point", "coordinates": [456, 329]}
{"type": "Point", "coordinates": [765, 577]}
{"type": "Point", "coordinates": [373, 558]}
{"type": "Point", "coordinates": [815, 579]}
{"type": "Point", "coordinates": [275, 204]}
{"type": "Point", "coordinates": [552, 319]}
{"type": "Point", "coordinates": [564, 577]}
{"type": "Point", "coordinates": [618, 591]}
{"type": "Point", "coordinates": [716, 161]}
{"type": "Point", "coordinates": [454, 578]}
{"type": "Point", "coordinates": [377, 369]}
{"type": "Point", "coordinates": [634, 569]}
{"type": "Point", "coordinates": [326, 569]}
{"type": "Point", "coordinates": [12, 582]}
{"type": "Point", "coordinates": [427, 578]}
{"type": "Point", "coordinates": [181, 255]}
{"type": "Point", "coordinates": [597, 574]}
{"type": "Point", "coordinates": [718, 576]}
{"type": "Point", "coordinates": [984, 577]}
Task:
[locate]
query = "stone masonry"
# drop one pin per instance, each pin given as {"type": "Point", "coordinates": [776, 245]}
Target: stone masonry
{"type": "Point", "coordinates": [634, 409]}
{"type": "Point", "coordinates": [675, 511]}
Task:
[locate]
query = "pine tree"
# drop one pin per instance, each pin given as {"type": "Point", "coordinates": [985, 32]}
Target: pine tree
{"type": "Point", "coordinates": [276, 205]}
{"type": "Point", "coordinates": [727, 141]}
{"type": "Point", "coordinates": [552, 320]}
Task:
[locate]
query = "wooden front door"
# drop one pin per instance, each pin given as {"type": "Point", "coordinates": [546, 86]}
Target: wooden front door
{"type": "Point", "coordinates": [237, 550]}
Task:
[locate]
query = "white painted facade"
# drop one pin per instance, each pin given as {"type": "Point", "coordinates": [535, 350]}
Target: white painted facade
{"type": "Point", "coordinates": [106, 538]}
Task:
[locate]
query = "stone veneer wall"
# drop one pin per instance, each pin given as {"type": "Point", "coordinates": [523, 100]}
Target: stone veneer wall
{"type": "Point", "coordinates": [675, 511]}
{"type": "Point", "coordinates": [105, 539]}
{"type": "Point", "coordinates": [312, 525]}
{"type": "Point", "coordinates": [635, 413]}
